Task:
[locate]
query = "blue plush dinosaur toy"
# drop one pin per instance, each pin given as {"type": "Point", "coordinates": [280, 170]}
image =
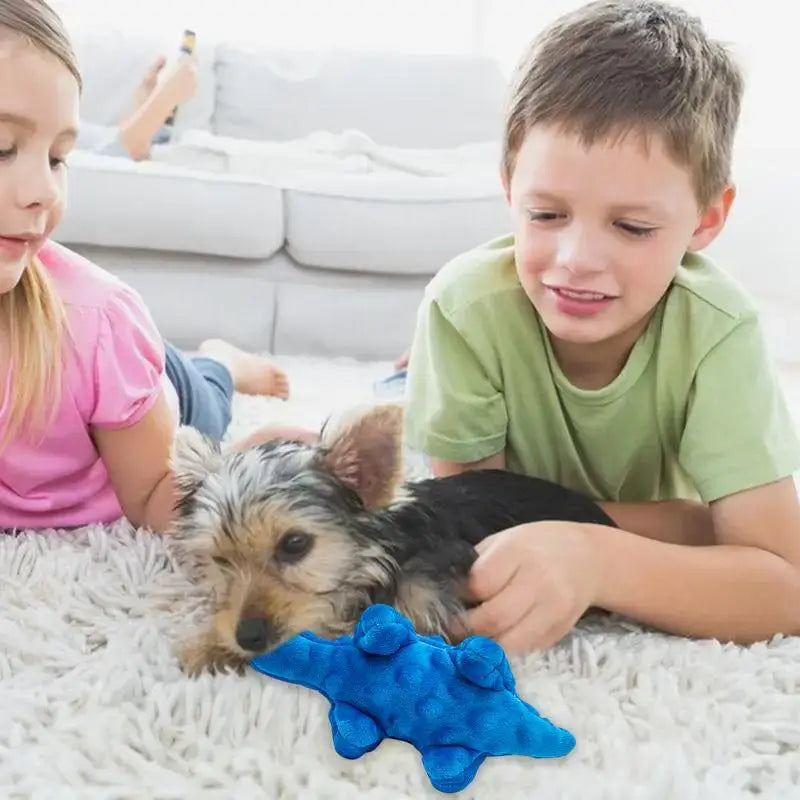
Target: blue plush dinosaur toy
{"type": "Point", "coordinates": [455, 704]}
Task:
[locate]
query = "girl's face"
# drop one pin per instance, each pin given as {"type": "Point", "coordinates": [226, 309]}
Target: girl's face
{"type": "Point", "coordinates": [38, 126]}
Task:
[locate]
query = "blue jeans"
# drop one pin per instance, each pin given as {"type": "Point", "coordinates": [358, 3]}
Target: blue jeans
{"type": "Point", "coordinates": [205, 391]}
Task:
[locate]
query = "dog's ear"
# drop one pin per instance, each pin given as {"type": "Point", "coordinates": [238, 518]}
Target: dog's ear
{"type": "Point", "coordinates": [193, 457]}
{"type": "Point", "coordinates": [363, 448]}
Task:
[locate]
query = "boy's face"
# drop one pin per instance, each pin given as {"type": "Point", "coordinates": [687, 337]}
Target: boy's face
{"type": "Point", "coordinates": [38, 121]}
{"type": "Point", "coordinates": [599, 232]}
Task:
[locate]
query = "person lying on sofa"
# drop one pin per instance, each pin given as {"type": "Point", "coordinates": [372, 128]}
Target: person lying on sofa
{"type": "Point", "coordinates": [152, 104]}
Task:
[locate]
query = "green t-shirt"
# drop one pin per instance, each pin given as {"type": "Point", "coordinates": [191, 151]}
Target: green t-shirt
{"type": "Point", "coordinates": [696, 411]}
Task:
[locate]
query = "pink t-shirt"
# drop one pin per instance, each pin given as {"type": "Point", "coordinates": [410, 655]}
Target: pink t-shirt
{"type": "Point", "coordinates": [113, 372]}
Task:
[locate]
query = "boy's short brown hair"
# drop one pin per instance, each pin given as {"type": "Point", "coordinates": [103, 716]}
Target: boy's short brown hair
{"type": "Point", "coordinates": [615, 66]}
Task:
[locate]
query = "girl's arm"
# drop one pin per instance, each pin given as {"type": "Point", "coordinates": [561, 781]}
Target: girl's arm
{"type": "Point", "coordinates": [137, 461]}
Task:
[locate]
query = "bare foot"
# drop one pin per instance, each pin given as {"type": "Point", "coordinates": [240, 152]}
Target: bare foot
{"type": "Point", "coordinates": [251, 374]}
{"type": "Point", "coordinates": [147, 86]}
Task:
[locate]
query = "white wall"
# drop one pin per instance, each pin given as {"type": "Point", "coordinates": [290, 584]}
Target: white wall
{"type": "Point", "coordinates": [416, 25]}
{"type": "Point", "coordinates": [763, 34]}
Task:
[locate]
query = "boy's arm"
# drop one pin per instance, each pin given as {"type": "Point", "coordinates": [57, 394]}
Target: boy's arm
{"type": "Point", "coordinates": [674, 521]}
{"type": "Point", "coordinates": [454, 412]}
{"type": "Point", "coordinates": [739, 448]}
{"type": "Point", "coordinates": [744, 589]}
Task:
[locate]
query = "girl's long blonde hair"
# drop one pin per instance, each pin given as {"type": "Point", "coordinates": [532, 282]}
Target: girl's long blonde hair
{"type": "Point", "coordinates": [32, 311]}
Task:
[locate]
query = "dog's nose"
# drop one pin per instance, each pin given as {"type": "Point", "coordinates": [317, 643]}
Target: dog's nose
{"type": "Point", "coordinates": [253, 634]}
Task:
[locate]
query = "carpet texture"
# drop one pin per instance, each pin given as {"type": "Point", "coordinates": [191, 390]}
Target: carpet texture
{"type": "Point", "coordinates": [93, 705]}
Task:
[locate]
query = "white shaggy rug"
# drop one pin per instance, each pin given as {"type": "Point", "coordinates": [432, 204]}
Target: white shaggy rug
{"type": "Point", "coordinates": [93, 705]}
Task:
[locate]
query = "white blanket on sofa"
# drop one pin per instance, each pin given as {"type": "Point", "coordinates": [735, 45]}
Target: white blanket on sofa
{"type": "Point", "coordinates": [350, 151]}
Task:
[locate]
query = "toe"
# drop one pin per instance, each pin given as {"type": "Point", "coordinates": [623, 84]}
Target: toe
{"type": "Point", "coordinates": [281, 385]}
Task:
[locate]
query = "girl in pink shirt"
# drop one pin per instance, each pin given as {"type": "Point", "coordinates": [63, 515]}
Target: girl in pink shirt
{"type": "Point", "coordinates": [90, 395]}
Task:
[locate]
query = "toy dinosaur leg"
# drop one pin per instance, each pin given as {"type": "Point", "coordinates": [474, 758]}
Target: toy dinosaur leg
{"type": "Point", "coordinates": [451, 768]}
{"type": "Point", "coordinates": [354, 733]}
{"type": "Point", "coordinates": [382, 631]}
{"type": "Point", "coordinates": [483, 662]}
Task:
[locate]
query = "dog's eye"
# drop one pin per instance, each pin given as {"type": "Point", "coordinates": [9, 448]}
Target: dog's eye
{"type": "Point", "coordinates": [221, 562]}
{"type": "Point", "coordinates": [293, 546]}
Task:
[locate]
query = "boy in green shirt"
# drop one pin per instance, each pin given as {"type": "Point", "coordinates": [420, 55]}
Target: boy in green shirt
{"type": "Point", "coordinates": [597, 348]}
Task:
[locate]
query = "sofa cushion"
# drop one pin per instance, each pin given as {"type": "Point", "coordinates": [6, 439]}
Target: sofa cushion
{"type": "Point", "coordinates": [115, 202]}
{"type": "Point", "coordinates": [391, 223]}
{"type": "Point", "coordinates": [408, 101]}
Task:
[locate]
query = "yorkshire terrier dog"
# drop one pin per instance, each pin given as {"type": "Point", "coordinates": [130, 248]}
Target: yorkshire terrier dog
{"type": "Point", "coordinates": [290, 536]}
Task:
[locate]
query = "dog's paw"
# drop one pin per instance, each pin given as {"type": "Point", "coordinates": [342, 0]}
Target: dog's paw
{"type": "Point", "coordinates": [204, 653]}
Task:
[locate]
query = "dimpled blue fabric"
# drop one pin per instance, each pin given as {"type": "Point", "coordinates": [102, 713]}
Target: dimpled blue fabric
{"type": "Point", "coordinates": [455, 704]}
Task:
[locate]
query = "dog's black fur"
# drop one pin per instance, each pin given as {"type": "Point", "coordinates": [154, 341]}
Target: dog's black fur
{"type": "Point", "coordinates": [434, 532]}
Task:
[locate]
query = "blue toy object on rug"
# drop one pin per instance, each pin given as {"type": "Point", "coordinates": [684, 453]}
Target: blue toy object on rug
{"type": "Point", "coordinates": [392, 386]}
{"type": "Point", "coordinates": [455, 704]}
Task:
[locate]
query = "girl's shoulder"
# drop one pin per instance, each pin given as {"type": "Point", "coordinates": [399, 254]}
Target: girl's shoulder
{"type": "Point", "coordinates": [92, 296]}
{"type": "Point", "coordinates": [79, 282]}
{"type": "Point", "coordinates": [99, 307]}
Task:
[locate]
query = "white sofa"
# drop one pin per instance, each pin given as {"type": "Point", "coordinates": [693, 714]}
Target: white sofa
{"type": "Point", "coordinates": [329, 261]}
{"type": "Point", "coordinates": [333, 260]}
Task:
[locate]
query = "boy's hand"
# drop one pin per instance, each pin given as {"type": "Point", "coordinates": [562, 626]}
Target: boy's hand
{"type": "Point", "coordinates": [533, 583]}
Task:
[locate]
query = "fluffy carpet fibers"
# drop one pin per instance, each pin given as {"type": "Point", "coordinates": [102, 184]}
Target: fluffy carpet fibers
{"type": "Point", "coordinates": [93, 705]}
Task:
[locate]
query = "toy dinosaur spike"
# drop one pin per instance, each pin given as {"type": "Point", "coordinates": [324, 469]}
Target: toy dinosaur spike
{"type": "Point", "coordinates": [455, 704]}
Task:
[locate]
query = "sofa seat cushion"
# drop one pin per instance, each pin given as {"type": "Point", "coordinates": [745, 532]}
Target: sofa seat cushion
{"type": "Point", "coordinates": [115, 202]}
{"type": "Point", "coordinates": [390, 222]}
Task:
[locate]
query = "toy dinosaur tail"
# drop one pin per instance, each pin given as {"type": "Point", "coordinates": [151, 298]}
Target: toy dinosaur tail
{"type": "Point", "coordinates": [545, 740]}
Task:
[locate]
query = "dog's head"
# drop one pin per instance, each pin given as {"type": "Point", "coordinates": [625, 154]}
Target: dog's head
{"type": "Point", "coordinates": [278, 530]}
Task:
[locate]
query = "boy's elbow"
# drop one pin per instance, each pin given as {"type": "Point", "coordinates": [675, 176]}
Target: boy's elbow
{"type": "Point", "coordinates": [794, 603]}
{"type": "Point", "coordinates": [787, 616]}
